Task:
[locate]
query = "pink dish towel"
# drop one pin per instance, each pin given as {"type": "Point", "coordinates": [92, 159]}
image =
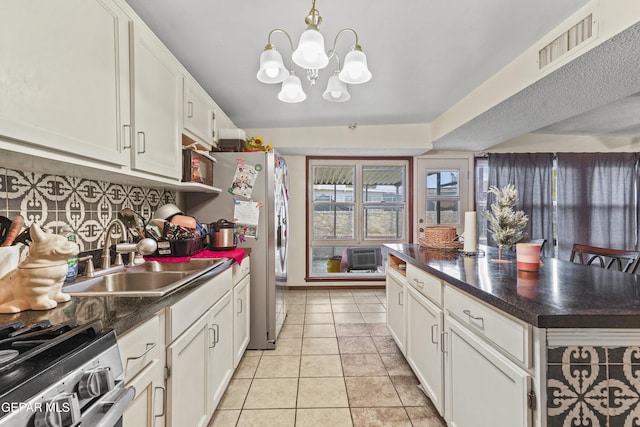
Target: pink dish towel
{"type": "Point", "coordinates": [237, 254]}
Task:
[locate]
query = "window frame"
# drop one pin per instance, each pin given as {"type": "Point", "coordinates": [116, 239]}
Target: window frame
{"type": "Point", "coordinates": [359, 209]}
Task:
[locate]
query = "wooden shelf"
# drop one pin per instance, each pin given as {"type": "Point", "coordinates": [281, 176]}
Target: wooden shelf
{"type": "Point", "coordinates": [397, 264]}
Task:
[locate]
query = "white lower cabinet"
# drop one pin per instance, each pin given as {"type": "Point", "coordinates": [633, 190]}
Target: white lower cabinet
{"type": "Point", "coordinates": [395, 307]}
{"type": "Point", "coordinates": [424, 345]}
{"type": "Point", "coordinates": [241, 320]}
{"type": "Point", "coordinates": [483, 387]}
{"type": "Point", "coordinates": [474, 361]}
{"type": "Point", "coordinates": [220, 366]}
{"type": "Point", "coordinates": [200, 353]}
{"type": "Point", "coordinates": [188, 362]}
{"type": "Point", "coordinates": [143, 360]}
{"type": "Point", "coordinates": [149, 405]}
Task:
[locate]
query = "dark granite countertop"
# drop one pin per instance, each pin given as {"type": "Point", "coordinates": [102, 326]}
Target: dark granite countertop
{"type": "Point", "coordinates": [117, 313]}
{"type": "Point", "coordinates": [561, 295]}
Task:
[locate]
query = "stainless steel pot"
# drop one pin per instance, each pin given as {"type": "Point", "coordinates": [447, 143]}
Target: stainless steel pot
{"type": "Point", "coordinates": [223, 235]}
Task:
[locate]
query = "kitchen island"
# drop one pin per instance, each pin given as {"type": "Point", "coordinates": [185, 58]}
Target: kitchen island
{"type": "Point", "coordinates": [494, 346]}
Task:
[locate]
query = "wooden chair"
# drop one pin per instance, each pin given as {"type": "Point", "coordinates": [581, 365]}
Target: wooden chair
{"type": "Point", "coordinates": [619, 259]}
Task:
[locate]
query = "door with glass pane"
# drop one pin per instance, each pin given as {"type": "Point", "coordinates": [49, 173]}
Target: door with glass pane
{"type": "Point", "coordinates": [443, 192]}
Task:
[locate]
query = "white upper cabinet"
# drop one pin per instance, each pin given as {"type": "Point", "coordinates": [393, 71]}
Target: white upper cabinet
{"type": "Point", "coordinates": [87, 83]}
{"type": "Point", "coordinates": [157, 86]}
{"type": "Point", "coordinates": [64, 76]}
{"type": "Point", "coordinates": [199, 113]}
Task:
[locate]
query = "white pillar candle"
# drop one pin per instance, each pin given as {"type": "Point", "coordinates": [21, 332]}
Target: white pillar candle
{"type": "Point", "coordinates": [470, 234]}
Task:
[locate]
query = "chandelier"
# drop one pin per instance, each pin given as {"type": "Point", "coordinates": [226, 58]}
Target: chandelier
{"type": "Point", "coordinates": [310, 55]}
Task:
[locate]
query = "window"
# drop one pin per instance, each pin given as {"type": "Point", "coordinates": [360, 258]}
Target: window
{"type": "Point", "coordinates": [443, 197]}
{"type": "Point", "coordinates": [354, 207]}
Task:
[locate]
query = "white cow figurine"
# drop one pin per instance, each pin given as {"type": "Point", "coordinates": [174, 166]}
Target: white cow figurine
{"type": "Point", "coordinates": [37, 282]}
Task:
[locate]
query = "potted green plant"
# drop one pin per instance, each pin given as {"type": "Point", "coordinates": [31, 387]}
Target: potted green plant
{"type": "Point", "coordinates": [505, 223]}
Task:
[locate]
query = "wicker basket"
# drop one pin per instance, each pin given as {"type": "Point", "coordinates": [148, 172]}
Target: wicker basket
{"type": "Point", "coordinates": [442, 237]}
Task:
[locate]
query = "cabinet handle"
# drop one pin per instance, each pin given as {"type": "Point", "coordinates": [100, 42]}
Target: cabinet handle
{"type": "Point", "coordinates": [240, 301]}
{"type": "Point", "coordinates": [400, 298]}
{"type": "Point", "coordinates": [472, 317]}
{"type": "Point", "coordinates": [190, 109]}
{"type": "Point", "coordinates": [217, 334]}
{"type": "Point", "coordinates": [150, 346]}
{"type": "Point", "coordinates": [433, 334]}
{"type": "Point", "coordinates": [419, 282]}
{"type": "Point", "coordinates": [164, 401]}
{"type": "Point", "coordinates": [143, 143]}
{"type": "Point", "coordinates": [126, 137]}
{"type": "Point", "coordinates": [443, 339]}
{"type": "Point", "coordinates": [213, 341]}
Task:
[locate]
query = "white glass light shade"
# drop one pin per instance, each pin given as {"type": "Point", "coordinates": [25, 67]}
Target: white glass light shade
{"type": "Point", "coordinates": [292, 90]}
{"type": "Point", "coordinates": [336, 90]}
{"type": "Point", "coordinates": [355, 70]}
{"type": "Point", "coordinates": [272, 68]}
{"type": "Point", "coordinates": [310, 53]}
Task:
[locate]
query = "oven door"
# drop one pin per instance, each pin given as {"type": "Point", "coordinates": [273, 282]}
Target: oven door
{"type": "Point", "coordinates": [108, 410]}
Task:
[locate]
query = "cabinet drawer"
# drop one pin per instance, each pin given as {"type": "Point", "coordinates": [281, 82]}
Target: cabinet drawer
{"type": "Point", "coordinates": [141, 346]}
{"type": "Point", "coordinates": [189, 309]}
{"type": "Point", "coordinates": [239, 271]}
{"type": "Point", "coordinates": [510, 335]}
{"type": "Point", "coordinates": [426, 284]}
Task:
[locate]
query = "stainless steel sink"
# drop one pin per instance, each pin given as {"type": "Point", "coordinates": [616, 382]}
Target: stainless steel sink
{"type": "Point", "coordinates": [148, 279]}
{"type": "Point", "coordinates": [192, 265]}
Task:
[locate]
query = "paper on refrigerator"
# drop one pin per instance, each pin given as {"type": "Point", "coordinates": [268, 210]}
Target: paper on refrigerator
{"type": "Point", "coordinates": [246, 215]}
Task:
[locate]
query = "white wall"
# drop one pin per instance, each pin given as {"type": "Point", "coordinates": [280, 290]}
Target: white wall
{"type": "Point", "coordinates": [372, 140]}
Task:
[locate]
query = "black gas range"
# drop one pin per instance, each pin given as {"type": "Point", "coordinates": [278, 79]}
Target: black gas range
{"type": "Point", "coordinates": [60, 375]}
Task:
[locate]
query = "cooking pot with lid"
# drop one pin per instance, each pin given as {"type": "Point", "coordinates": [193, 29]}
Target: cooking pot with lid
{"type": "Point", "coordinates": [223, 235]}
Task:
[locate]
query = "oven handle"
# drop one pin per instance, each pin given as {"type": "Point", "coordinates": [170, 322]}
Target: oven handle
{"type": "Point", "coordinates": [108, 410]}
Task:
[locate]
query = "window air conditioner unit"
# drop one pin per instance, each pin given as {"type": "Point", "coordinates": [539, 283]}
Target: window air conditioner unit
{"type": "Point", "coordinates": [363, 258]}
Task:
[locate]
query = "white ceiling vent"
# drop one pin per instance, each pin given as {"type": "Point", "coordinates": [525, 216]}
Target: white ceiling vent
{"type": "Point", "coordinates": [567, 41]}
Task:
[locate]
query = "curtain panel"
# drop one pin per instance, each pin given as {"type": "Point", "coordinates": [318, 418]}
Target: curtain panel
{"type": "Point", "coordinates": [597, 201]}
{"type": "Point", "coordinates": [532, 176]}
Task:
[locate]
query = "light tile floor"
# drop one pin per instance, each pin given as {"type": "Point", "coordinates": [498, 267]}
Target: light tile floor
{"type": "Point", "coordinates": [335, 365]}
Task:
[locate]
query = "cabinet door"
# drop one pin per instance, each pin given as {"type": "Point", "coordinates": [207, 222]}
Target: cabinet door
{"type": "Point", "coordinates": [220, 354]}
{"type": "Point", "coordinates": [241, 321]}
{"type": "Point", "coordinates": [64, 77]}
{"type": "Point", "coordinates": [483, 387]}
{"type": "Point", "coordinates": [157, 85]}
{"type": "Point", "coordinates": [148, 407]}
{"type": "Point", "coordinates": [198, 112]}
{"type": "Point", "coordinates": [188, 361]}
{"type": "Point", "coordinates": [424, 346]}
{"type": "Point", "coordinates": [395, 309]}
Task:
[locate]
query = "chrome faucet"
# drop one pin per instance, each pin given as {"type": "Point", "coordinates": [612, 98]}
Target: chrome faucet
{"type": "Point", "coordinates": [106, 259]}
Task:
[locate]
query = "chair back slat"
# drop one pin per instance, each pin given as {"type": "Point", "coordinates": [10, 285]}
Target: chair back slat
{"type": "Point", "coordinates": [618, 259]}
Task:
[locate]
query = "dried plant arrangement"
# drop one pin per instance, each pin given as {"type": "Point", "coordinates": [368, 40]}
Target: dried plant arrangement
{"type": "Point", "coordinates": [505, 223]}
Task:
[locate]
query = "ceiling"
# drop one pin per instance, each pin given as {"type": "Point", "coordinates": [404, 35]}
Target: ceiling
{"type": "Point", "coordinates": [424, 55]}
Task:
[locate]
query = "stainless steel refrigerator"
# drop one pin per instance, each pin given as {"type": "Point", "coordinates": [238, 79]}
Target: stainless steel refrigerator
{"type": "Point", "coordinates": [268, 243]}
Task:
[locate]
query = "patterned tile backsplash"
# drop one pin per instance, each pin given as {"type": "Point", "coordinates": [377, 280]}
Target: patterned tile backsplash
{"type": "Point", "coordinates": [86, 205]}
{"type": "Point", "coordinates": [593, 386]}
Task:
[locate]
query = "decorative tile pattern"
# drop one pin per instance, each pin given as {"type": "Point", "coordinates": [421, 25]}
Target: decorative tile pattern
{"type": "Point", "coordinates": [594, 386]}
{"type": "Point", "coordinates": [86, 205]}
